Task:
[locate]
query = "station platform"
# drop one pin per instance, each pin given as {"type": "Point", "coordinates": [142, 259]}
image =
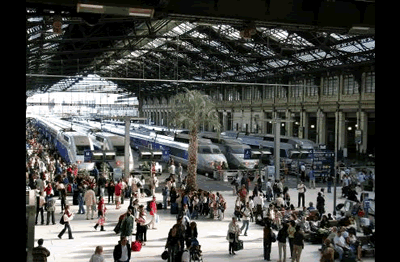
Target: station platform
{"type": "Point", "coordinates": [212, 233]}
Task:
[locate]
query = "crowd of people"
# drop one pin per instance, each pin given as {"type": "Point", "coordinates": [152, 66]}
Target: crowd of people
{"type": "Point", "coordinates": [268, 205]}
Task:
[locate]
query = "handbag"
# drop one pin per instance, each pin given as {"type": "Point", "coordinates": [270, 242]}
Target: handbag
{"type": "Point", "coordinates": [238, 245]}
{"type": "Point", "coordinates": [165, 254]}
{"type": "Point", "coordinates": [273, 237]}
{"type": "Point", "coordinates": [157, 218]}
{"type": "Point", "coordinates": [62, 222]}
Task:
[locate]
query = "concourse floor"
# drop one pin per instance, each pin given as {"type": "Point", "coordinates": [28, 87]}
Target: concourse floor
{"type": "Point", "coordinates": [212, 234]}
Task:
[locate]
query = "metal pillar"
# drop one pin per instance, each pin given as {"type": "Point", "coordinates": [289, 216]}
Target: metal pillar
{"type": "Point", "coordinates": [335, 169]}
{"type": "Point", "coordinates": [127, 142]}
{"type": "Point", "coordinates": [277, 143]}
{"type": "Point", "coordinates": [277, 146]}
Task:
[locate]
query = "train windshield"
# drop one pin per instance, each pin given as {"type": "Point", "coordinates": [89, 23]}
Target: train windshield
{"type": "Point", "coordinates": [119, 150]}
{"type": "Point", "coordinates": [216, 151]}
{"type": "Point", "coordinates": [237, 149]}
{"type": "Point", "coordinates": [208, 150]}
{"type": "Point", "coordinates": [80, 149]}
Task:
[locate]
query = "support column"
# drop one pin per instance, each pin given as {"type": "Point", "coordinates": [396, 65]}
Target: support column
{"type": "Point", "coordinates": [289, 125]}
{"type": "Point", "coordinates": [224, 121]}
{"type": "Point", "coordinates": [362, 123]}
{"type": "Point", "coordinates": [127, 142]}
{"type": "Point", "coordinates": [277, 146]}
{"type": "Point", "coordinates": [341, 130]}
{"type": "Point", "coordinates": [303, 125]}
{"type": "Point", "coordinates": [321, 127]}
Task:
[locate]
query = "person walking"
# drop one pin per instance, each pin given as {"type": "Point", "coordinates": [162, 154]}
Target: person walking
{"type": "Point", "coordinates": [51, 207]}
{"type": "Point", "coordinates": [80, 199]}
{"type": "Point", "coordinates": [40, 253]}
{"type": "Point", "coordinates": [127, 225]}
{"type": "Point", "coordinates": [101, 212]}
{"type": "Point", "coordinates": [291, 230]}
{"type": "Point", "coordinates": [98, 255]}
{"type": "Point", "coordinates": [153, 212]}
{"type": "Point", "coordinates": [320, 204]}
{"type": "Point", "coordinates": [301, 189]}
{"type": "Point", "coordinates": [180, 172]}
{"type": "Point", "coordinates": [298, 244]}
{"type": "Point", "coordinates": [40, 208]}
{"type": "Point", "coordinates": [153, 184]}
{"type": "Point", "coordinates": [282, 235]}
{"type": "Point", "coordinates": [176, 240]}
{"type": "Point", "coordinates": [67, 216]}
{"type": "Point", "coordinates": [267, 240]}
{"type": "Point", "coordinates": [122, 251]}
{"type": "Point", "coordinates": [246, 218]}
{"type": "Point", "coordinates": [311, 175]}
{"type": "Point", "coordinates": [233, 235]}
{"type": "Point", "coordinates": [102, 184]}
{"type": "Point", "coordinates": [118, 193]}
{"type": "Point", "coordinates": [90, 200]}
{"type": "Point", "coordinates": [141, 232]}
{"type": "Point", "coordinates": [110, 190]}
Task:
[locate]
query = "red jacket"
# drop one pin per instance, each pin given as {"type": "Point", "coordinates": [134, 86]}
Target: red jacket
{"type": "Point", "coordinates": [153, 208]}
{"type": "Point", "coordinates": [118, 189]}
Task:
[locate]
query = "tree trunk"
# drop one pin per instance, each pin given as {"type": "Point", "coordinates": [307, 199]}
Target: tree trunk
{"type": "Point", "coordinates": [192, 163]}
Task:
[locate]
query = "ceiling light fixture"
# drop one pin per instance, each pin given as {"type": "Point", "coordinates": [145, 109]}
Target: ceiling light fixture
{"type": "Point", "coordinates": [115, 10]}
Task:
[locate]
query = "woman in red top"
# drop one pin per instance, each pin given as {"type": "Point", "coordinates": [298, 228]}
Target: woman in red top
{"type": "Point", "coordinates": [118, 190]}
{"type": "Point", "coordinates": [153, 212]}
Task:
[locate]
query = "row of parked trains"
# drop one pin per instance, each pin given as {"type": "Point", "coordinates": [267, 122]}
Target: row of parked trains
{"type": "Point", "coordinates": [83, 141]}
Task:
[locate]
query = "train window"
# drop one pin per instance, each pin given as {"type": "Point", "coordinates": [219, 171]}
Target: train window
{"type": "Point", "coordinates": [100, 139]}
{"type": "Point", "coordinates": [66, 138]}
{"type": "Point", "coordinates": [204, 150]}
{"type": "Point", "coordinates": [80, 149]}
{"type": "Point", "coordinates": [119, 150]}
{"type": "Point", "coordinates": [283, 153]}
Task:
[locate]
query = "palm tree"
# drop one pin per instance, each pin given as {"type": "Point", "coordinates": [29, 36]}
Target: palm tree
{"type": "Point", "coordinates": [192, 109]}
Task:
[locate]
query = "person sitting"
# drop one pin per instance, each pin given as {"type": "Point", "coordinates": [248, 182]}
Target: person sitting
{"type": "Point", "coordinates": [354, 244]}
{"type": "Point", "coordinates": [340, 244]}
{"type": "Point", "coordinates": [327, 251]}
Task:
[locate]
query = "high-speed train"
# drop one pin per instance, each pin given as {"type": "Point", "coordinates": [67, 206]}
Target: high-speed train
{"type": "Point", "coordinates": [172, 147]}
{"type": "Point", "coordinates": [113, 145]}
{"type": "Point", "coordinates": [73, 146]}
{"type": "Point", "coordinates": [238, 154]}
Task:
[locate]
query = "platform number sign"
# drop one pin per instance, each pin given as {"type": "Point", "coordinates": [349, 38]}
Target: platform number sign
{"type": "Point", "coordinates": [87, 156]}
{"type": "Point", "coordinates": [247, 153]}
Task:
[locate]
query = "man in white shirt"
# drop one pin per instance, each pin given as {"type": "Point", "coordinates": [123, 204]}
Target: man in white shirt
{"type": "Point", "coordinates": [301, 189]}
{"type": "Point", "coordinates": [258, 203]}
{"type": "Point", "coordinates": [122, 251]}
{"type": "Point", "coordinates": [340, 244]}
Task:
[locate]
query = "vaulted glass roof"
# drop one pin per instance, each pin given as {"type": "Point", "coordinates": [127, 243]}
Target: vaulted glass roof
{"type": "Point", "coordinates": [173, 49]}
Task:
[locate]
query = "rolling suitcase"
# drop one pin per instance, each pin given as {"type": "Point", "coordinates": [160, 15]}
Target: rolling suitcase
{"type": "Point", "coordinates": [174, 208]}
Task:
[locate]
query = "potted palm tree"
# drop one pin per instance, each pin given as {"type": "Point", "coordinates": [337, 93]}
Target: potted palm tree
{"type": "Point", "coordinates": [192, 109]}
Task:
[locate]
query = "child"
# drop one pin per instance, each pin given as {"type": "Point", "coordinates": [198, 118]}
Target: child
{"type": "Point", "coordinates": [101, 209]}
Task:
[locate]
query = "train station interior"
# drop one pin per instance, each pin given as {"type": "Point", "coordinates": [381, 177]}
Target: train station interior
{"type": "Point", "coordinates": [308, 64]}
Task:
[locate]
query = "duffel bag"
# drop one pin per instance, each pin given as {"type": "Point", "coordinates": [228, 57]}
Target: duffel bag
{"type": "Point", "coordinates": [136, 246]}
